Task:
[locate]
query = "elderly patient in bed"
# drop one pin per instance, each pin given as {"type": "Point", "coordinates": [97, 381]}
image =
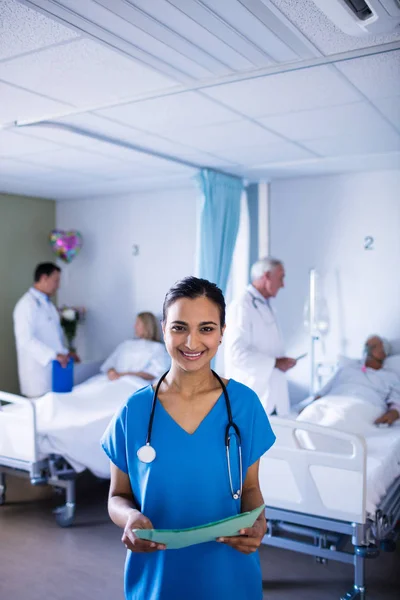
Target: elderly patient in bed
{"type": "Point", "coordinates": [144, 357]}
{"type": "Point", "coordinates": [360, 396]}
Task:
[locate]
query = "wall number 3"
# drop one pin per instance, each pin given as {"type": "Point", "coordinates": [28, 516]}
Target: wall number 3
{"type": "Point", "coordinates": [369, 243]}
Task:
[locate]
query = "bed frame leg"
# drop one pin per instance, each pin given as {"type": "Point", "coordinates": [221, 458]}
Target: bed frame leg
{"type": "Point", "coordinates": [358, 592]}
{"type": "Point", "coordinates": [3, 488]}
{"type": "Point", "coordinates": [65, 514]}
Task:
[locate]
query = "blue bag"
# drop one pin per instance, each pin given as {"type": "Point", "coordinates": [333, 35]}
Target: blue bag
{"type": "Point", "coordinates": [62, 378]}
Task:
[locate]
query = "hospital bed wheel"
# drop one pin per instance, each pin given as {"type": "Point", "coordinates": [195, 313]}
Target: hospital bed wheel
{"type": "Point", "coordinates": [370, 551]}
{"type": "Point", "coordinates": [355, 594]}
{"type": "Point", "coordinates": [65, 515]}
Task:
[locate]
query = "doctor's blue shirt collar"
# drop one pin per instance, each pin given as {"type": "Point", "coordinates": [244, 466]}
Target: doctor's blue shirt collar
{"type": "Point", "coordinates": [252, 290]}
{"type": "Point", "coordinates": [39, 295]}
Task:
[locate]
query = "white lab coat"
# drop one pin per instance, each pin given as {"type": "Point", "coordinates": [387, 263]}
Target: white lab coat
{"type": "Point", "coordinates": [252, 343]}
{"type": "Point", "coordinates": [38, 338]}
{"type": "Point", "coordinates": [138, 355]}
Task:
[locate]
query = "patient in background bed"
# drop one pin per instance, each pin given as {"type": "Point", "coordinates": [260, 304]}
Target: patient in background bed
{"type": "Point", "coordinates": [360, 394]}
{"type": "Point", "coordinates": [144, 357]}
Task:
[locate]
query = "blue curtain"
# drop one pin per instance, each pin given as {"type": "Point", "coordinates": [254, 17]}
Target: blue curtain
{"type": "Point", "coordinates": [219, 224]}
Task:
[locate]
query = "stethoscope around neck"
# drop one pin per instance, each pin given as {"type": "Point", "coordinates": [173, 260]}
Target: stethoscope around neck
{"type": "Point", "coordinates": [147, 454]}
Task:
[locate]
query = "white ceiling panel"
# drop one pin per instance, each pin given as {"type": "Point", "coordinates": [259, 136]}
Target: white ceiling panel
{"type": "Point", "coordinates": [390, 107]}
{"type": "Point", "coordinates": [172, 112]}
{"type": "Point", "coordinates": [224, 136]}
{"type": "Point", "coordinates": [81, 162]}
{"type": "Point", "coordinates": [18, 104]}
{"type": "Point", "coordinates": [12, 167]}
{"type": "Point", "coordinates": [23, 30]}
{"type": "Point", "coordinates": [120, 187]}
{"type": "Point", "coordinates": [25, 187]}
{"type": "Point", "coordinates": [348, 120]}
{"type": "Point", "coordinates": [15, 144]}
{"type": "Point", "coordinates": [372, 162]}
{"type": "Point", "coordinates": [276, 152]}
{"type": "Point", "coordinates": [108, 128]}
{"type": "Point", "coordinates": [104, 167]}
{"type": "Point", "coordinates": [58, 136]}
{"type": "Point", "coordinates": [322, 32]}
{"type": "Point", "coordinates": [359, 144]}
{"type": "Point", "coordinates": [276, 94]}
{"type": "Point", "coordinates": [375, 76]}
{"type": "Point", "coordinates": [82, 73]}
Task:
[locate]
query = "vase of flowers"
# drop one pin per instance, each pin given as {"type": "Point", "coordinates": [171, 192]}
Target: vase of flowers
{"type": "Point", "coordinates": [70, 317]}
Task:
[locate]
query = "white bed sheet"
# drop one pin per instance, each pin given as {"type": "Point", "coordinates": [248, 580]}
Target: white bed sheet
{"type": "Point", "coordinates": [383, 463]}
{"type": "Point", "coordinates": [72, 424]}
{"type": "Point", "coordinates": [353, 415]}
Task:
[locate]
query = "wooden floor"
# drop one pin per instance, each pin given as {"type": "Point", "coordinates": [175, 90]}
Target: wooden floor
{"type": "Point", "coordinates": [39, 560]}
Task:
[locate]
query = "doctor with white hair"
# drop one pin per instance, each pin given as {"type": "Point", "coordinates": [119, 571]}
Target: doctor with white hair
{"type": "Point", "coordinates": [254, 349]}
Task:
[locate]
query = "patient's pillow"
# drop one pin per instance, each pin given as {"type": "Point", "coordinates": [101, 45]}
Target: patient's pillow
{"type": "Point", "coordinates": [393, 363]}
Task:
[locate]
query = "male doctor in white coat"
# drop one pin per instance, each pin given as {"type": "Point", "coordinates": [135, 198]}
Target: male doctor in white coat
{"type": "Point", "coordinates": [254, 351]}
{"type": "Point", "coordinates": [38, 333]}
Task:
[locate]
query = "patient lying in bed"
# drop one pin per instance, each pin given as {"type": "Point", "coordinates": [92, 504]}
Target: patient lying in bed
{"type": "Point", "coordinates": [144, 357]}
{"type": "Point", "coordinates": [360, 395]}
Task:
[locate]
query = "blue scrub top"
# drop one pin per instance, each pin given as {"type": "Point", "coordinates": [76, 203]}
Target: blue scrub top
{"type": "Point", "coordinates": [188, 485]}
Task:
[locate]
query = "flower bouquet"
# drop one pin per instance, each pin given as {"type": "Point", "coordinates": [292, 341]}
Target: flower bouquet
{"type": "Point", "coordinates": [70, 317]}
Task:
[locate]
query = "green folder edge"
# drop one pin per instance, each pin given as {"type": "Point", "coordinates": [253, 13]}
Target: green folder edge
{"type": "Point", "coordinates": [151, 535]}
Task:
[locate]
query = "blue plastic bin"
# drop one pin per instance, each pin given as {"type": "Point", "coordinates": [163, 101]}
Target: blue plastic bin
{"type": "Point", "coordinates": [62, 378]}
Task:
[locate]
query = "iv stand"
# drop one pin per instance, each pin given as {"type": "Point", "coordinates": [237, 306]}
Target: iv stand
{"type": "Point", "coordinates": [313, 330]}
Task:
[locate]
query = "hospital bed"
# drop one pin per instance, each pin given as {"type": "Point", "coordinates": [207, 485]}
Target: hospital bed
{"type": "Point", "coordinates": [50, 440]}
{"type": "Point", "coordinates": [343, 506]}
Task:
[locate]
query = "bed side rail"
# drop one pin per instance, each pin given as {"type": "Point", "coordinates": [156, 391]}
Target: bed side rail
{"type": "Point", "coordinates": [315, 470]}
{"type": "Point", "coordinates": [18, 430]}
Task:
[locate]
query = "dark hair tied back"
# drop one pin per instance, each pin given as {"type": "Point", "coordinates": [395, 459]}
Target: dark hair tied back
{"type": "Point", "coordinates": [193, 287]}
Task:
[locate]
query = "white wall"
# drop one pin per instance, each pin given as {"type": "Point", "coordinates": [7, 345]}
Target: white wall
{"type": "Point", "coordinates": [322, 222]}
{"type": "Point", "coordinates": [107, 279]}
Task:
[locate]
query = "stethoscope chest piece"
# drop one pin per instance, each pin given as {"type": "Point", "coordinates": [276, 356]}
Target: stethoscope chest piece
{"type": "Point", "coordinates": [146, 454]}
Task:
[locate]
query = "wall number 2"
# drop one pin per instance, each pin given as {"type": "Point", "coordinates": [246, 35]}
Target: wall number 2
{"type": "Point", "coordinates": [369, 243]}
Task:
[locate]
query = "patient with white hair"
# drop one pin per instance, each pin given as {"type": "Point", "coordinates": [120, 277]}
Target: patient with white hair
{"type": "Point", "coordinates": [144, 356]}
{"type": "Point", "coordinates": [361, 395]}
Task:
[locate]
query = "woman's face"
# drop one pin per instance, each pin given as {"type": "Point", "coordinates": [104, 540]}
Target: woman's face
{"type": "Point", "coordinates": [192, 332]}
{"type": "Point", "coordinates": [140, 329]}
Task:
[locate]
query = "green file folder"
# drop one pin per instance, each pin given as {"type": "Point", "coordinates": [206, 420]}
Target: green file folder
{"type": "Point", "coordinates": [175, 538]}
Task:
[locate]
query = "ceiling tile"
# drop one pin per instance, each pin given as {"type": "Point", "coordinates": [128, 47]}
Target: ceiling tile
{"type": "Point", "coordinates": [322, 32]}
{"type": "Point", "coordinates": [215, 138]}
{"type": "Point", "coordinates": [166, 114]}
{"type": "Point", "coordinates": [259, 155]}
{"type": "Point", "coordinates": [124, 186]}
{"type": "Point", "coordinates": [23, 30]}
{"type": "Point", "coordinates": [292, 91]}
{"type": "Point", "coordinates": [23, 187]}
{"type": "Point", "coordinates": [360, 144]}
{"type": "Point", "coordinates": [17, 104]}
{"type": "Point", "coordinates": [11, 167]}
{"type": "Point", "coordinates": [334, 121]}
{"type": "Point", "coordinates": [83, 73]}
{"type": "Point", "coordinates": [390, 107]}
{"type": "Point", "coordinates": [107, 128]}
{"type": "Point", "coordinates": [105, 167]}
{"type": "Point", "coordinates": [15, 144]}
{"type": "Point", "coordinates": [324, 166]}
{"type": "Point", "coordinates": [375, 76]}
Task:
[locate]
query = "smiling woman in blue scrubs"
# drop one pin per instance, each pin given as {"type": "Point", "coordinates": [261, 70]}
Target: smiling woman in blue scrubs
{"type": "Point", "coordinates": [188, 483]}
